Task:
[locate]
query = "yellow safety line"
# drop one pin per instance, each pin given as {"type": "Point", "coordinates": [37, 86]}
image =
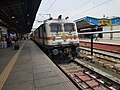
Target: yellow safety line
{"type": "Point", "coordinates": [9, 67]}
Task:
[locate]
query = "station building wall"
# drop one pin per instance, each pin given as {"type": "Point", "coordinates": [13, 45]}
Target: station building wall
{"type": "Point", "coordinates": [115, 36]}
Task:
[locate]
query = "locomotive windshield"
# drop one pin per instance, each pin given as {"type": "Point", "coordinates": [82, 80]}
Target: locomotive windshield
{"type": "Point", "coordinates": [55, 27]}
{"type": "Point", "coordinates": [69, 27]}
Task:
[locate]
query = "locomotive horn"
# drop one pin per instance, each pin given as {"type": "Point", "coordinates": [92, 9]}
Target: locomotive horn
{"type": "Point", "coordinates": [67, 17]}
{"type": "Point", "coordinates": [60, 17]}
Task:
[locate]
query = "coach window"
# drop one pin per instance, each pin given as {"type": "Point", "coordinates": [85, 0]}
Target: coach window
{"type": "Point", "coordinates": [69, 27]}
{"type": "Point", "coordinates": [55, 27]}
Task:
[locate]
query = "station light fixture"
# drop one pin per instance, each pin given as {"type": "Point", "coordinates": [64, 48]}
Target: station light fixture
{"type": "Point", "coordinates": [28, 15]}
{"type": "Point", "coordinates": [28, 23]}
{"type": "Point", "coordinates": [17, 21]}
{"type": "Point", "coordinates": [13, 17]}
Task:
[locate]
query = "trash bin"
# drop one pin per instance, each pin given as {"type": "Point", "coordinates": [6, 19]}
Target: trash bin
{"type": "Point", "coordinates": [16, 47]}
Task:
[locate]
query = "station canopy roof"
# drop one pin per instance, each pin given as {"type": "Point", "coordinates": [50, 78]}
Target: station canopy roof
{"type": "Point", "coordinates": [18, 15]}
{"type": "Point", "coordinates": [84, 24]}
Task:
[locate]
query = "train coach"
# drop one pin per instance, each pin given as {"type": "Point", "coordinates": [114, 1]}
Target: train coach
{"type": "Point", "coordinates": [58, 37]}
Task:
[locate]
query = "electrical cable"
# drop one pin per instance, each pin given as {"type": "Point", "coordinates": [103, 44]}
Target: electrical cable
{"type": "Point", "coordinates": [43, 9]}
{"type": "Point", "coordinates": [42, 16]}
{"type": "Point", "coordinates": [45, 6]}
{"type": "Point", "coordinates": [93, 7]}
{"type": "Point", "coordinates": [50, 6]}
{"type": "Point", "coordinates": [83, 4]}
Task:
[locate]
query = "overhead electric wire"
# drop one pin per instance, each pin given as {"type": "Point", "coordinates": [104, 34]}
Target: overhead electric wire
{"type": "Point", "coordinates": [44, 9]}
{"type": "Point", "coordinates": [83, 4]}
{"type": "Point", "coordinates": [93, 7]}
{"type": "Point", "coordinates": [42, 16]}
{"type": "Point", "coordinates": [45, 6]}
{"type": "Point", "coordinates": [50, 6]}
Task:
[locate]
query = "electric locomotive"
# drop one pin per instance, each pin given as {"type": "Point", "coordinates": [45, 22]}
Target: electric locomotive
{"type": "Point", "coordinates": [58, 37]}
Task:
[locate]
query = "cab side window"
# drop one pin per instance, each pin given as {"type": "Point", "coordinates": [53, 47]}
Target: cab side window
{"type": "Point", "coordinates": [69, 27]}
{"type": "Point", "coordinates": [55, 27]}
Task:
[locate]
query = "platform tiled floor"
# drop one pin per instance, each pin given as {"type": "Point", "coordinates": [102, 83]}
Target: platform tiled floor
{"type": "Point", "coordinates": [33, 70]}
{"type": "Point", "coordinates": [6, 55]}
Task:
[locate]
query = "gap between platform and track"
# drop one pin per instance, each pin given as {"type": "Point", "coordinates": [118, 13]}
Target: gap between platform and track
{"type": "Point", "coordinates": [9, 67]}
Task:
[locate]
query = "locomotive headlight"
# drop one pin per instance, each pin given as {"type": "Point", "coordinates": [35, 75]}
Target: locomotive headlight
{"type": "Point", "coordinates": [53, 38]}
{"type": "Point", "coordinates": [78, 49]}
{"type": "Point", "coordinates": [55, 52]}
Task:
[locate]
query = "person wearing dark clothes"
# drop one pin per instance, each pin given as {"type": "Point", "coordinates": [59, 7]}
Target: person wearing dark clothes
{"type": "Point", "coordinates": [8, 42]}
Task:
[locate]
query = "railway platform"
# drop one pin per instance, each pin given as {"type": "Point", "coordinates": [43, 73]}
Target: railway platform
{"type": "Point", "coordinates": [105, 41]}
{"type": "Point", "coordinates": [30, 69]}
{"type": "Point", "coordinates": [105, 44]}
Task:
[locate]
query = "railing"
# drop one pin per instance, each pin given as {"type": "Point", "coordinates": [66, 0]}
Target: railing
{"type": "Point", "coordinates": [97, 32]}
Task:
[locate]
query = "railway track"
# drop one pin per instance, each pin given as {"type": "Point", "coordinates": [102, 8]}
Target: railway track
{"type": "Point", "coordinates": [108, 53]}
{"type": "Point", "coordinates": [101, 54]}
{"type": "Point", "coordinates": [102, 58]}
{"type": "Point", "coordinates": [88, 78]}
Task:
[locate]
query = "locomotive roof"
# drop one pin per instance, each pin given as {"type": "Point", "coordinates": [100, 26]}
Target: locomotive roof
{"type": "Point", "coordinates": [58, 20]}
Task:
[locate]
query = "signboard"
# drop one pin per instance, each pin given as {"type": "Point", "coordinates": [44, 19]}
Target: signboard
{"type": "Point", "coordinates": [104, 22]}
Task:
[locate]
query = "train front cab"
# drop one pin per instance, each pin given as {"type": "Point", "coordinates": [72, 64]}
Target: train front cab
{"type": "Point", "coordinates": [64, 38]}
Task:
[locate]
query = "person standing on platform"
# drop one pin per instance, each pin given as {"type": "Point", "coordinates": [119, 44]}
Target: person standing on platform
{"type": "Point", "coordinates": [8, 41]}
{"type": "Point", "coordinates": [96, 36]}
{"type": "Point", "coordinates": [4, 43]}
